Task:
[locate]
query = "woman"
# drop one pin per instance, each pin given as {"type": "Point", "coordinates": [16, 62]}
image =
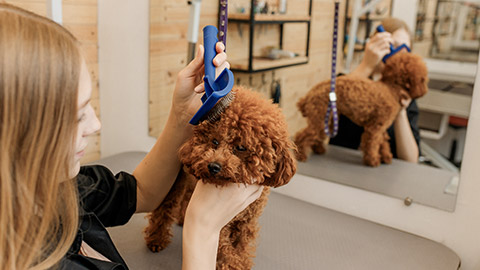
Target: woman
{"type": "Point", "coordinates": [48, 217]}
{"type": "Point", "coordinates": [404, 133]}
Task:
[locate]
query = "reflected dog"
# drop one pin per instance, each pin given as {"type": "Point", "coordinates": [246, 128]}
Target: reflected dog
{"type": "Point", "coordinates": [369, 104]}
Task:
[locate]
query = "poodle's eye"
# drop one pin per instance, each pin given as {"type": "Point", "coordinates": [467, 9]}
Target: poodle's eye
{"type": "Point", "coordinates": [215, 142]}
{"type": "Point", "coordinates": [240, 148]}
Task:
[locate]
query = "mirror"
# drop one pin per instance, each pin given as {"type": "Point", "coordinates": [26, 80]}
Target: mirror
{"type": "Point", "coordinates": [446, 34]}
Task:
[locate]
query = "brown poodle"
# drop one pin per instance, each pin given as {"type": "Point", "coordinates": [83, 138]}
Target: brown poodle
{"type": "Point", "coordinates": [369, 104]}
{"type": "Point", "coordinates": [248, 143]}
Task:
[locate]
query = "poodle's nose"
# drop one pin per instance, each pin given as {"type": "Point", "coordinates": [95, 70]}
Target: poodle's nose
{"type": "Point", "coordinates": [214, 167]}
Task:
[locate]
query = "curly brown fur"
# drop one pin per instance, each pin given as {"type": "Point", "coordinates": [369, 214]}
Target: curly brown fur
{"type": "Point", "coordinates": [249, 142]}
{"type": "Point", "coordinates": [369, 104]}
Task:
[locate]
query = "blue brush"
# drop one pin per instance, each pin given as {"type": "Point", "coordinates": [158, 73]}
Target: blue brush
{"type": "Point", "coordinates": [393, 50]}
{"type": "Point", "coordinates": [217, 91]}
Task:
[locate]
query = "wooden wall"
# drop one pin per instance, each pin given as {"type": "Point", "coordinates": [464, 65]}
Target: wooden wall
{"type": "Point", "coordinates": [425, 19]}
{"type": "Point", "coordinates": [80, 17]}
{"type": "Point", "coordinates": [168, 52]}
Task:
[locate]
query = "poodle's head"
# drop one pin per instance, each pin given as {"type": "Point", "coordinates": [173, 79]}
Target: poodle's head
{"type": "Point", "coordinates": [408, 71]}
{"type": "Point", "coordinates": [249, 143]}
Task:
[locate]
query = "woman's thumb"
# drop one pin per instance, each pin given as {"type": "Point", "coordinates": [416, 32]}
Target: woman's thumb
{"type": "Point", "coordinates": [196, 64]}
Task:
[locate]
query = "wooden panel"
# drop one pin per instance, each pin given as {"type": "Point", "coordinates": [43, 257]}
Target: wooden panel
{"type": "Point", "coordinates": [381, 10]}
{"type": "Point", "coordinates": [78, 14]}
{"type": "Point", "coordinates": [267, 17]}
{"type": "Point", "coordinates": [170, 29]}
{"type": "Point", "coordinates": [80, 18]}
{"type": "Point", "coordinates": [264, 63]}
{"type": "Point", "coordinates": [84, 32]}
{"type": "Point", "coordinates": [38, 7]}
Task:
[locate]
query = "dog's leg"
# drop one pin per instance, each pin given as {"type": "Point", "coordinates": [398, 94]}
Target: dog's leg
{"type": "Point", "coordinates": [304, 140]}
{"type": "Point", "coordinates": [319, 146]}
{"type": "Point", "coordinates": [158, 233]}
{"type": "Point", "coordinates": [370, 145]}
{"type": "Point", "coordinates": [237, 243]}
{"type": "Point", "coordinates": [385, 151]}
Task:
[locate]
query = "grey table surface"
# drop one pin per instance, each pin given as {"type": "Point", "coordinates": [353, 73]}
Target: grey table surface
{"type": "Point", "coordinates": [296, 235]}
{"type": "Point", "coordinates": [424, 184]}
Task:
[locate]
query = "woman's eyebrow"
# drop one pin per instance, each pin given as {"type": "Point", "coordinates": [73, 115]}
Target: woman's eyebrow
{"type": "Point", "coordinates": [85, 103]}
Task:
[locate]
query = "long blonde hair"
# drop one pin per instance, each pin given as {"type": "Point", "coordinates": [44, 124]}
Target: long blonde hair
{"type": "Point", "coordinates": [39, 74]}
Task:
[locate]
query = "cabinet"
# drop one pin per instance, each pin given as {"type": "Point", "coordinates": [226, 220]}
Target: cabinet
{"type": "Point", "coordinates": [252, 61]}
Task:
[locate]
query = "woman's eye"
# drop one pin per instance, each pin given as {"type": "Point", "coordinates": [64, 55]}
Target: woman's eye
{"type": "Point", "coordinates": [240, 148]}
{"type": "Point", "coordinates": [81, 118]}
{"type": "Point", "coordinates": [215, 142]}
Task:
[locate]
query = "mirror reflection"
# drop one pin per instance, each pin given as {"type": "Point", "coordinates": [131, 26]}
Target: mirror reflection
{"type": "Point", "coordinates": [427, 135]}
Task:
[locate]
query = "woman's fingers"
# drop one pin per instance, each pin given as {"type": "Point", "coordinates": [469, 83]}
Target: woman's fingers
{"type": "Point", "coordinates": [219, 69]}
{"type": "Point", "coordinates": [199, 88]}
{"type": "Point", "coordinates": [219, 47]}
{"type": "Point", "coordinates": [257, 192]}
{"type": "Point", "coordinates": [219, 59]}
{"type": "Point", "coordinates": [193, 68]}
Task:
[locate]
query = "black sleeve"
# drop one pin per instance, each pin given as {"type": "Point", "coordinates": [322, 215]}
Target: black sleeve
{"type": "Point", "coordinates": [113, 199]}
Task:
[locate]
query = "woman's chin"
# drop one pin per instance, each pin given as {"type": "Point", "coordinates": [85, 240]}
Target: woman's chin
{"type": "Point", "coordinates": [74, 170]}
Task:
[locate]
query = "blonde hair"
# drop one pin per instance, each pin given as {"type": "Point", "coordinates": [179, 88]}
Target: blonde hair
{"type": "Point", "coordinates": [393, 24]}
{"type": "Point", "coordinates": [39, 74]}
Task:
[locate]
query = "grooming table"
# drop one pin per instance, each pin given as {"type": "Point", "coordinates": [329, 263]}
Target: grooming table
{"type": "Point", "coordinates": [296, 235]}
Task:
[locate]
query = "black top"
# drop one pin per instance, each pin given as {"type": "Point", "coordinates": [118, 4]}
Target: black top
{"type": "Point", "coordinates": [105, 201]}
{"type": "Point", "coordinates": [349, 134]}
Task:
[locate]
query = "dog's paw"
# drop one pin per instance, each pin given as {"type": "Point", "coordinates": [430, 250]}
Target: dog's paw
{"type": "Point", "coordinates": [318, 149]}
{"type": "Point", "coordinates": [387, 159]}
{"type": "Point", "coordinates": [300, 156]}
{"type": "Point", "coordinates": [372, 162]}
{"type": "Point", "coordinates": [157, 246]}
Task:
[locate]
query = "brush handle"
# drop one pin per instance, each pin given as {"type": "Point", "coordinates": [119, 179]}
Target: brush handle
{"type": "Point", "coordinates": [209, 40]}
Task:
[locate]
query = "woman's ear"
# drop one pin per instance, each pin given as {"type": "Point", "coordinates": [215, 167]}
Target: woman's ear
{"type": "Point", "coordinates": [286, 166]}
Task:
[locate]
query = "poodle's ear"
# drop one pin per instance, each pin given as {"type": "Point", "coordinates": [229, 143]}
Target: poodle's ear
{"type": "Point", "coordinates": [286, 166]}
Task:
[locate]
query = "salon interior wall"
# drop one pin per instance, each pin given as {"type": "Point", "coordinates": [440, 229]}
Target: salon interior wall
{"type": "Point", "coordinates": [407, 11]}
{"type": "Point", "coordinates": [168, 50]}
{"type": "Point", "coordinates": [123, 60]}
{"type": "Point", "coordinates": [123, 68]}
{"type": "Point", "coordinates": [80, 18]}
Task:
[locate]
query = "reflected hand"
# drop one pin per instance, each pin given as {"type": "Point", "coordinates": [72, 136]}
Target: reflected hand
{"type": "Point", "coordinates": [376, 48]}
{"type": "Point", "coordinates": [405, 102]}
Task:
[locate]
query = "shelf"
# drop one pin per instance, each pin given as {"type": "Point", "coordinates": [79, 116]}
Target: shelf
{"type": "Point", "coordinates": [263, 64]}
{"type": "Point", "coordinates": [364, 19]}
{"type": "Point", "coordinates": [266, 18]}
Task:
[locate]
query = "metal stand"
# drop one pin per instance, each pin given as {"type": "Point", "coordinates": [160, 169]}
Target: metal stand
{"type": "Point", "coordinates": [193, 24]}
{"type": "Point", "coordinates": [357, 11]}
{"type": "Point", "coordinates": [54, 10]}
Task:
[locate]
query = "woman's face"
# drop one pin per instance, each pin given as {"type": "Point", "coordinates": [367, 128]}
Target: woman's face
{"type": "Point", "coordinates": [88, 122]}
{"type": "Point", "coordinates": [400, 37]}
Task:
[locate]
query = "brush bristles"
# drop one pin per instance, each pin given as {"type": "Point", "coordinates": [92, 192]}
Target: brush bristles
{"type": "Point", "coordinates": [214, 114]}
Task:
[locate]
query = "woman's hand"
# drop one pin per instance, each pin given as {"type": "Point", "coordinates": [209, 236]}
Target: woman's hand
{"type": "Point", "coordinates": [212, 207]}
{"type": "Point", "coordinates": [209, 209]}
{"type": "Point", "coordinates": [375, 49]}
{"type": "Point", "coordinates": [405, 102]}
{"type": "Point", "coordinates": [406, 146]}
{"type": "Point", "coordinates": [189, 86]}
